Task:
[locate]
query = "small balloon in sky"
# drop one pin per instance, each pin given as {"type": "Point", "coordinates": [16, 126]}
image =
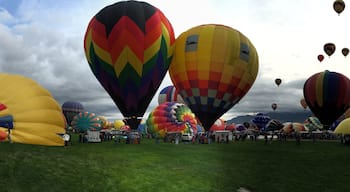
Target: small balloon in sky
{"type": "Point", "coordinates": [329, 48]}
{"type": "Point", "coordinates": [320, 57]}
{"type": "Point", "coordinates": [339, 6]}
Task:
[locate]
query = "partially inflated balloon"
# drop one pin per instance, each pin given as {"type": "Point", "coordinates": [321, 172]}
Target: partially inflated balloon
{"type": "Point", "coordinates": [260, 120]}
{"type": "Point", "coordinates": [329, 48]}
{"type": "Point", "coordinates": [214, 66]}
{"type": "Point", "coordinates": [129, 47]}
{"type": "Point", "coordinates": [327, 95]}
{"type": "Point", "coordinates": [219, 125]}
{"type": "Point", "coordinates": [86, 121]}
{"type": "Point", "coordinates": [29, 112]}
{"type": "Point", "coordinates": [338, 6]}
{"type": "Point", "coordinates": [171, 117]}
{"type": "Point", "coordinates": [169, 94]}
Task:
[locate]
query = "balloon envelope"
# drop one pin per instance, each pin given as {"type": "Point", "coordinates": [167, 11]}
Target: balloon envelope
{"type": "Point", "coordinates": [327, 95]}
{"type": "Point", "coordinates": [213, 67]}
{"type": "Point", "coordinates": [343, 127]}
{"type": "Point", "coordinates": [338, 6]}
{"type": "Point", "coordinates": [278, 81]}
{"type": "Point", "coordinates": [320, 58]}
{"type": "Point", "coordinates": [71, 109]}
{"type": "Point", "coordinates": [303, 103]}
{"type": "Point", "coordinates": [86, 121]}
{"type": "Point", "coordinates": [169, 94]}
{"type": "Point", "coordinates": [329, 48]}
{"type": "Point", "coordinates": [345, 51]}
{"type": "Point", "coordinates": [260, 120]}
{"type": "Point", "coordinates": [219, 125]}
{"type": "Point", "coordinates": [274, 106]}
{"type": "Point", "coordinates": [171, 117]}
{"type": "Point", "coordinates": [30, 112]}
{"type": "Point", "coordinates": [129, 47]}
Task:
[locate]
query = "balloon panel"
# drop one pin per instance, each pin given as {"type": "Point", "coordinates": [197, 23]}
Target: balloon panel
{"type": "Point", "coordinates": [129, 46]}
{"type": "Point", "coordinates": [214, 66]}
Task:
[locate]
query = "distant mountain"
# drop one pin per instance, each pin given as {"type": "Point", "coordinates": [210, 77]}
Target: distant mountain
{"type": "Point", "coordinates": [281, 116]}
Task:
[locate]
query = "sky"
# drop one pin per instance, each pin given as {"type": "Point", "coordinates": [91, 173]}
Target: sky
{"type": "Point", "coordinates": [43, 40]}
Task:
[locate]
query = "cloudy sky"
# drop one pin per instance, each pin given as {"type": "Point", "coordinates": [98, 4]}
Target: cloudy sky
{"type": "Point", "coordinates": [43, 40]}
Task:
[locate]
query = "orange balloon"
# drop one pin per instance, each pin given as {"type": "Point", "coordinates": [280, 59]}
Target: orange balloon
{"type": "Point", "coordinates": [3, 135]}
{"type": "Point", "coordinates": [303, 103]}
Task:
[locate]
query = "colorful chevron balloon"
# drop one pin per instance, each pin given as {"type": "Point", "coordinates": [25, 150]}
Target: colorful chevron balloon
{"type": "Point", "coordinates": [129, 46]}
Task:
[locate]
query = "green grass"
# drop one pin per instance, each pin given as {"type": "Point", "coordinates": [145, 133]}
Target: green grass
{"type": "Point", "coordinates": [321, 166]}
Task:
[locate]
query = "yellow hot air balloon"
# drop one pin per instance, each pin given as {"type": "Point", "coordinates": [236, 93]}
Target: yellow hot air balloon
{"type": "Point", "coordinates": [118, 124]}
{"type": "Point", "coordinates": [29, 113]}
{"type": "Point", "coordinates": [213, 67]}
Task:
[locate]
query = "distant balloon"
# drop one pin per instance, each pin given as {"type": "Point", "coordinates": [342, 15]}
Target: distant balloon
{"type": "Point", "coordinates": [303, 103]}
{"type": "Point", "coordinates": [329, 48]}
{"type": "Point", "coordinates": [345, 51]}
{"type": "Point", "coordinates": [327, 95]}
{"type": "Point", "coordinates": [278, 81]}
{"type": "Point", "coordinates": [86, 121]}
{"type": "Point", "coordinates": [169, 94]}
{"type": "Point", "coordinates": [338, 6]}
{"type": "Point", "coordinates": [213, 67]}
{"type": "Point", "coordinates": [129, 47]}
{"type": "Point", "coordinates": [219, 125]}
{"type": "Point", "coordinates": [71, 109]}
{"type": "Point", "coordinates": [320, 58]}
{"type": "Point", "coordinates": [274, 106]}
{"type": "Point", "coordinates": [260, 120]}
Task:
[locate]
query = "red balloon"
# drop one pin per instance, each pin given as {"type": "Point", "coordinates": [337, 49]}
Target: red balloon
{"type": "Point", "coordinates": [320, 58]}
{"type": "Point", "coordinates": [3, 135]}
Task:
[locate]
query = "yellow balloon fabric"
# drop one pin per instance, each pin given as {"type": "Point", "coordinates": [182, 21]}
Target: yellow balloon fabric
{"type": "Point", "coordinates": [30, 111]}
{"type": "Point", "coordinates": [118, 124]}
{"type": "Point", "coordinates": [343, 127]}
{"type": "Point", "coordinates": [213, 67]}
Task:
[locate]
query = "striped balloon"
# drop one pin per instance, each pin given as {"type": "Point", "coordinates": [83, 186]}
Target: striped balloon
{"type": "Point", "coordinates": [171, 117]}
{"type": "Point", "coordinates": [129, 46]}
{"type": "Point", "coordinates": [327, 95]}
{"type": "Point", "coordinates": [214, 66]}
{"type": "Point", "coordinates": [169, 94]}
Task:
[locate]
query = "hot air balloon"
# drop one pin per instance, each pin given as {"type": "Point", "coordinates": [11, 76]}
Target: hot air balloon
{"type": "Point", "coordinates": [320, 58]}
{"type": "Point", "coordinates": [278, 81]}
{"type": "Point", "coordinates": [345, 51]}
{"type": "Point", "coordinates": [273, 125]}
{"type": "Point", "coordinates": [71, 109]}
{"type": "Point", "coordinates": [28, 112]}
{"type": "Point", "coordinates": [118, 124]}
{"type": "Point", "coordinates": [327, 94]}
{"type": "Point", "coordinates": [86, 121]}
{"type": "Point", "coordinates": [329, 48]}
{"type": "Point", "coordinates": [274, 106]}
{"type": "Point", "coordinates": [169, 94]}
{"type": "Point", "coordinates": [219, 125]}
{"type": "Point", "coordinates": [129, 47]}
{"type": "Point", "coordinates": [303, 103]}
{"type": "Point", "coordinates": [313, 124]}
{"type": "Point", "coordinates": [213, 67]}
{"type": "Point", "coordinates": [338, 6]}
{"type": "Point", "coordinates": [260, 120]}
{"type": "Point", "coordinates": [171, 117]}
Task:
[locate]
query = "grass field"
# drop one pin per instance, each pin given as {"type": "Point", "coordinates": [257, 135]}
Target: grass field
{"type": "Point", "coordinates": [321, 166]}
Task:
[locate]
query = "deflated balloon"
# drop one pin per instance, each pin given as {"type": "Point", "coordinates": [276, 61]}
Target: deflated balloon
{"type": "Point", "coordinates": [129, 46]}
{"type": "Point", "coordinates": [327, 94]}
{"type": "Point", "coordinates": [214, 66]}
{"type": "Point", "coordinates": [171, 117]}
{"type": "Point", "coordinates": [29, 113]}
